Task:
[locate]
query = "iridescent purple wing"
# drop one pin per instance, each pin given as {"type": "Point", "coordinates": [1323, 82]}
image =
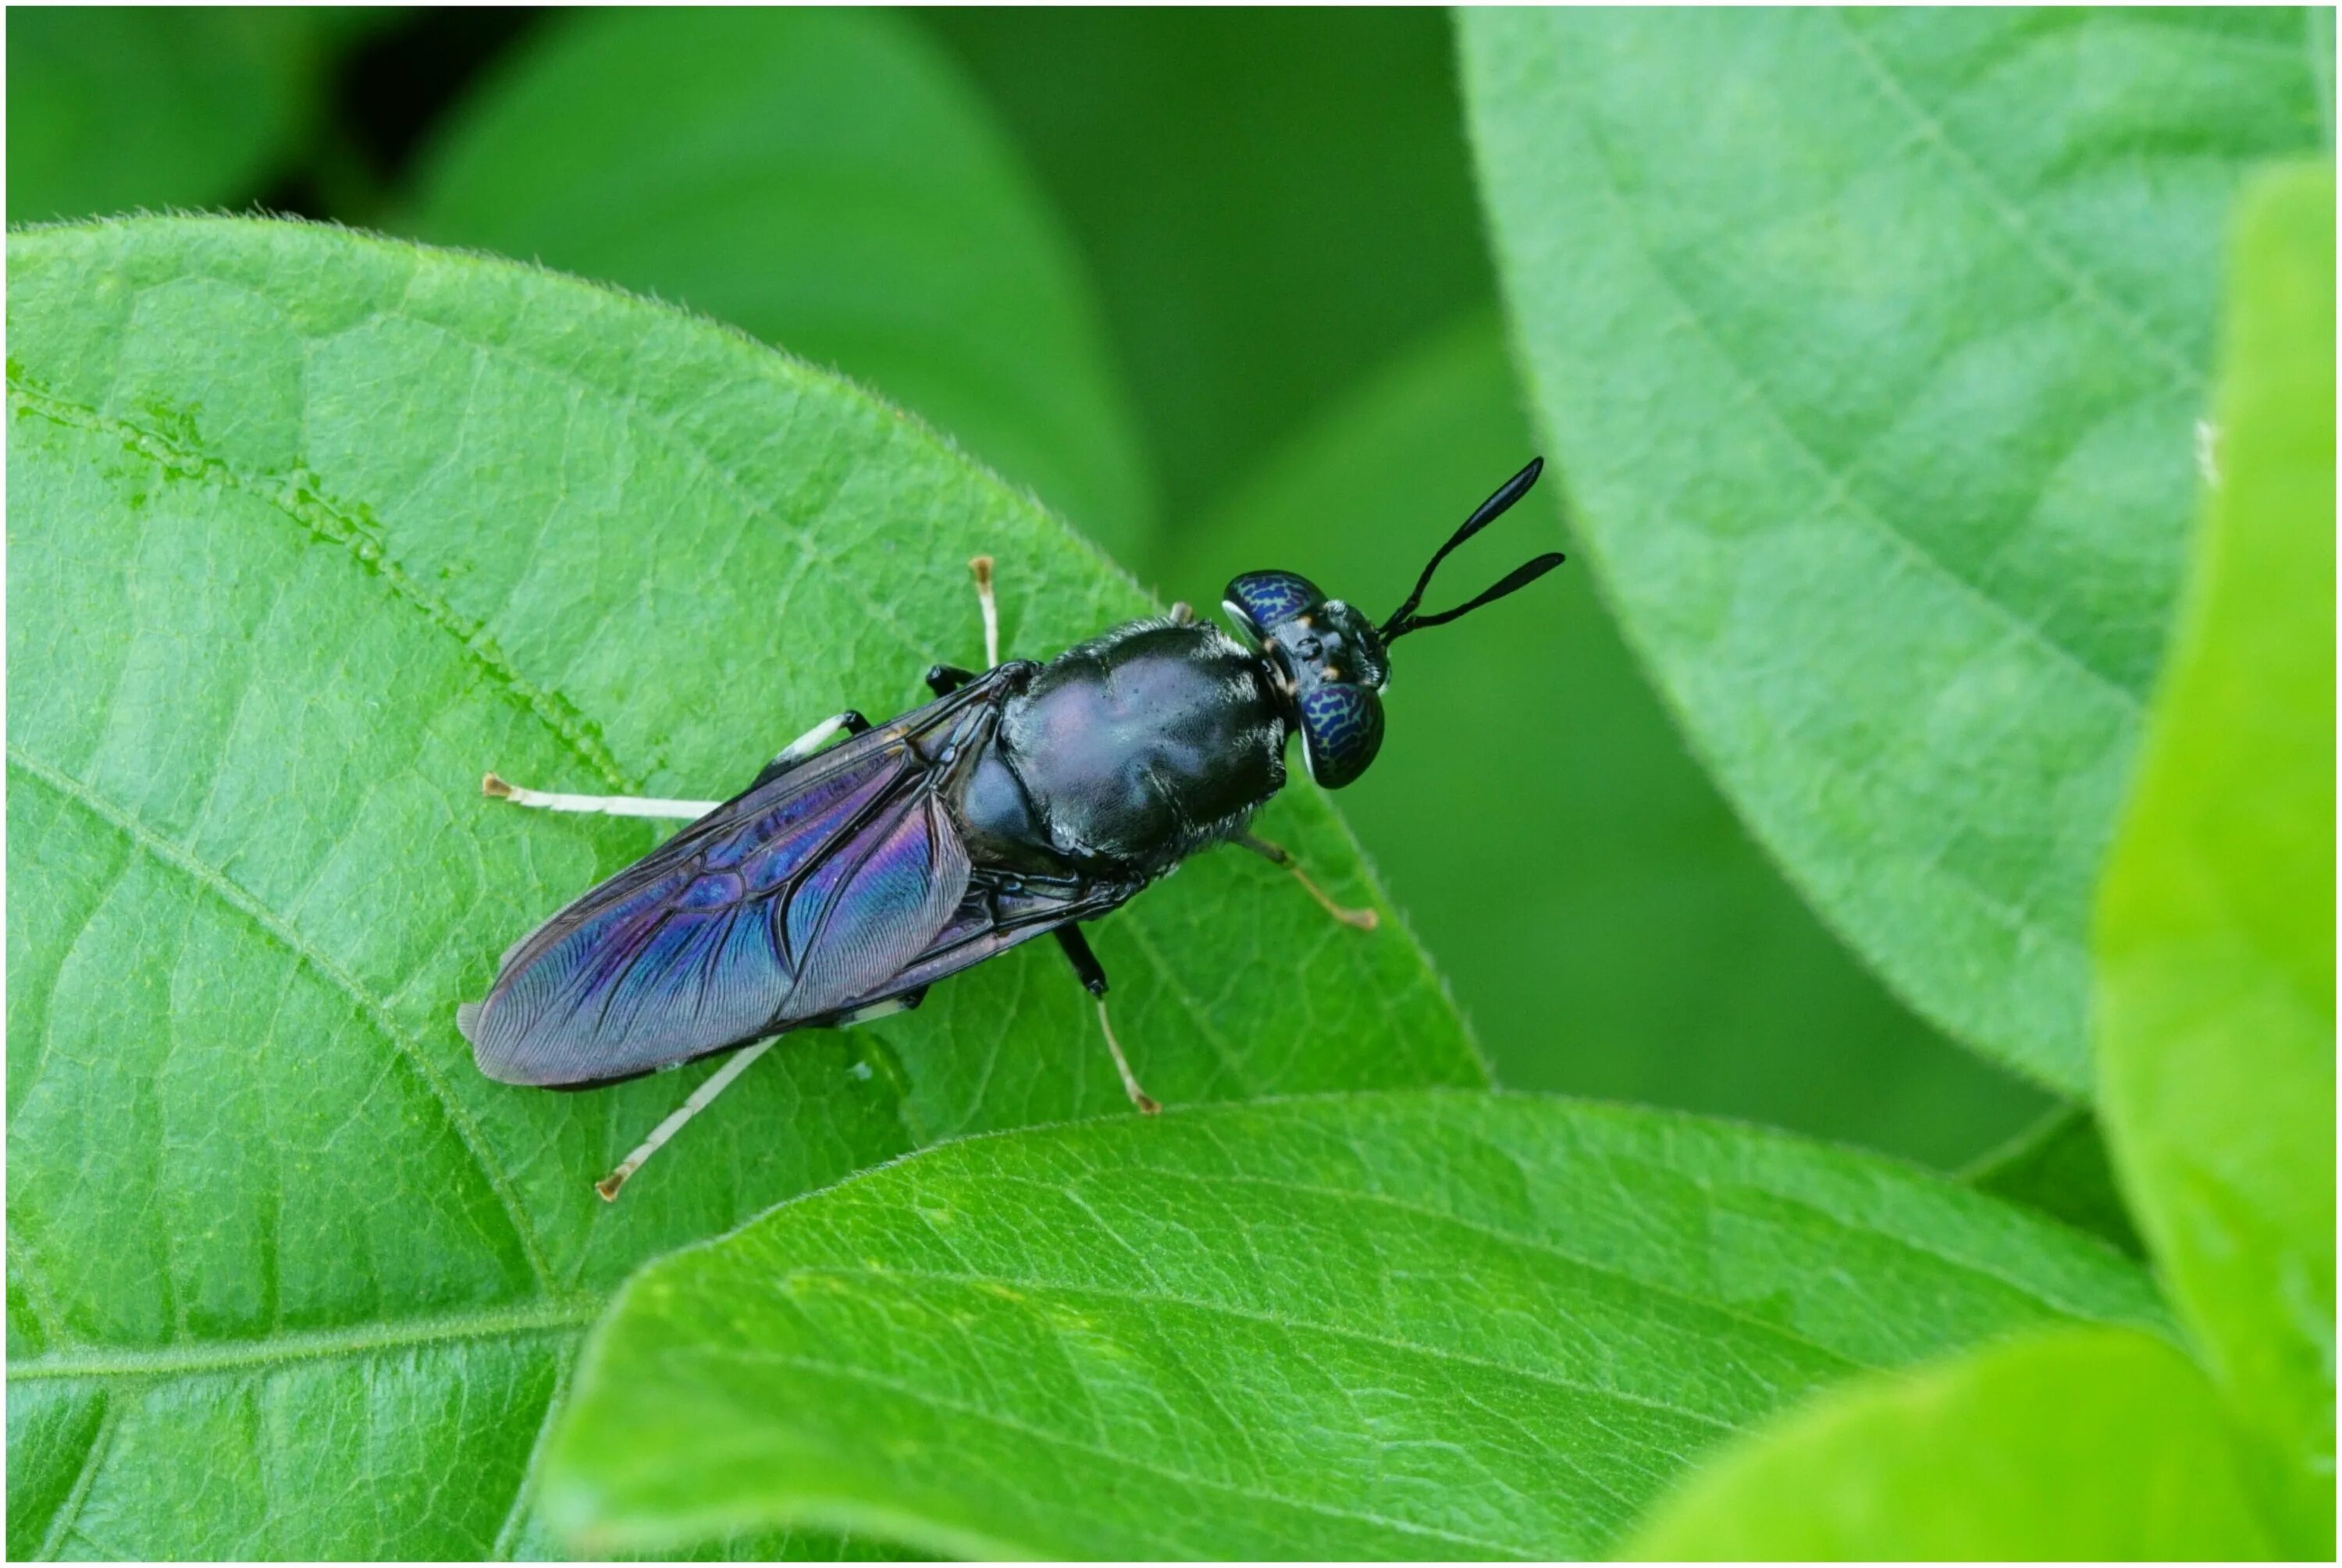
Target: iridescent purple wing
{"type": "Point", "coordinates": [992, 919]}
{"type": "Point", "coordinates": [798, 899]}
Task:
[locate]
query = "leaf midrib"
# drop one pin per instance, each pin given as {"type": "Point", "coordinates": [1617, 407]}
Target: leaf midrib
{"type": "Point", "coordinates": [845, 1274]}
{"type": "Point", "coordinates": [545, 1317]}
{"type": "Point", "coordinates": [2187, 380]}
{"type": "Point", "coordinates": [266, 920]}
{"type": "Point", "coordinates": [306, 505]}
{"type": "Point", "coordinates": [1709, 1189]}
{"type": "Point", "coordinates": [928, 1397]}
{"type": "Point", "coordinates": [1541, 1248]}
{"type": "Point", "coordinates": [1836, 489]}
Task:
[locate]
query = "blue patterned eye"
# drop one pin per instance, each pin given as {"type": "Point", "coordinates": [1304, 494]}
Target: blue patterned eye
{"type": "Point", "coordinates": [1341, 730]}
{"type": "Point", "coordinates": [1263, 601]}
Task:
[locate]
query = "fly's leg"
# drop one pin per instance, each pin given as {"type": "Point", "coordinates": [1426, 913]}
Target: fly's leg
{"type": "Point", "coordinates": [812, 741]}
{"type": "Point", "coordinates": [699, 1100]}
{"type": "Point", "coordinates": [1364, 919]}
{"type": "Point", "coordinates": [721, 1080]}
{"type": "Point", "coordinates": [1092, 975]}
{"type": "Point", "coordinates": [851, 720]}
{"type": "Point", "coordinates": [980, 568]}
{"type": "Point", "coordinates": [945, 679]}
{"type": "Point", "coordinates": [606, 804]}
{"type": "Point", "coordinates": [795, 751]}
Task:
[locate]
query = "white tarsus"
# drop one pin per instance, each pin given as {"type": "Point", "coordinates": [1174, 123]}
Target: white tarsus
{"type": "Point", "coordinates": [981, 566]}
{"type": "Point", "coordinates": [812, 741]}
{"type": "Point", "coordinates": [717, 1081]}
{"type": "Point", "coordinates": [797, 750]}
{"type": "Point", "coordinates": [1138, 1096]}
{"type": "Point", "coordinates": [606, 804]}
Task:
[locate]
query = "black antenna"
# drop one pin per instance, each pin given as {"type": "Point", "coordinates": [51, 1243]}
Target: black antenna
{"type": "Point", "coordinates": [1405, 620]}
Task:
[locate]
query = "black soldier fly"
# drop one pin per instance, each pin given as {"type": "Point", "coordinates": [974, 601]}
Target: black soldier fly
{"type": "Point", "coordinates": [842, 882]}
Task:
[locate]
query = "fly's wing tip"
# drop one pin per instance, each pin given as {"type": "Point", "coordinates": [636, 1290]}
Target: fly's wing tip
{"type": "Point", "coordinates": [492, 1063]}
{"type": "Point", "coordinates": [521, 1062]}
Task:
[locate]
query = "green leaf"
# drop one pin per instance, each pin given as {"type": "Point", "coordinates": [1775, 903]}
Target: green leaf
{"type": "Point", "coordinates": [111, 108]}
{"type": "Point", "coordinates": [308, 530]}
{"type": "Point", "coordinates": [1601, 915]}
{"type": "Point", "coordinates": [2059, 1166]}
{"type": "Point", "coordinates": [1271, 198]}
{"type": "Point", "coordinates": [1408, 1325]}
{"type": "Point", "coordinates": [2216, 984]}
{"type": "Point", "coordinates": [2085, 1444]}
{"type": "Point", "coordinates": [1871, 344]}
{"type": "Point", "coordinates": [827, 181]}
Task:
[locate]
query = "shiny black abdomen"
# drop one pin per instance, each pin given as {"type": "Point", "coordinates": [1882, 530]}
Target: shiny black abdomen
{"type": "Point", "coordinates": [1132, 750]}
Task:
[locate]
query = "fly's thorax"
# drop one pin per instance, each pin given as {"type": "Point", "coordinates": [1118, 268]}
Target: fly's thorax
{"type": "Point", "coordinates": [1141, 746]}
{"type": "Point", "coordinates": [998, 821]}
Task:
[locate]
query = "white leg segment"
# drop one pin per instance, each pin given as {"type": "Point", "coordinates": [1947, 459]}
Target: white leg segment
{"type": "Point", "coordinates": [797, 750]}
{"type": "Point", "coordinates": [812, 741]}
{"type": "Point", "coordinates": [719, 1081]}
{"type": "Point", "coordinates": [606, 804]}
{"type": "Point", "coordinates": [1139, 1097]}
{"type": "Point", "coordinates": [981, 567]}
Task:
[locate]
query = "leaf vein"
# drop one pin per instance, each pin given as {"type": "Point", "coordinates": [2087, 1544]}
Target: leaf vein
{"type": "Point", "coordinates": [2079, 284]}
{"type": "Point", "coordinates": [1284, 1325]}
{"type": "Point", "coordinates": [1527, 1243]}
{"type": "Point", "coordinates": [1060, 1440]}
{"type": "Point", "coordinates": [52, 1539]}
{"type": "Point", "coordinates": [320, 517]}
{"type": "Point", "coordinates": [1835, 487]}
{"type": "Point", "coordinates": [542, 1318]}
{"type": "Point", "coordinates": [270, 925]}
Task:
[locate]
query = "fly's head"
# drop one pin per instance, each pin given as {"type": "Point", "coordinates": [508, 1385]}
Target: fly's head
{"type": "Point", "coordinates": [1327, 661]}
{"type": "Point", "coordinates": [1331, 663]}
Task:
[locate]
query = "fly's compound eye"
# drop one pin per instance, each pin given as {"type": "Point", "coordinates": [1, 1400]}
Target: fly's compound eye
{"type": "Point", "coordinates": [1341, 730]}
{"type": "Point", "coordinates": [1260, 602]}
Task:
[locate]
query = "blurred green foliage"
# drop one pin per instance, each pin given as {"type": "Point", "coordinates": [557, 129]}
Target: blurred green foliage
{"type": "Point", "coordinates": [116, 108]}
{"type": "Point", "coordinates": [2059, 1165]}
{"type": "Point", "coordinates": [1212, 283]}
{"type": "Point", "coordinates": [1271, 202]}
